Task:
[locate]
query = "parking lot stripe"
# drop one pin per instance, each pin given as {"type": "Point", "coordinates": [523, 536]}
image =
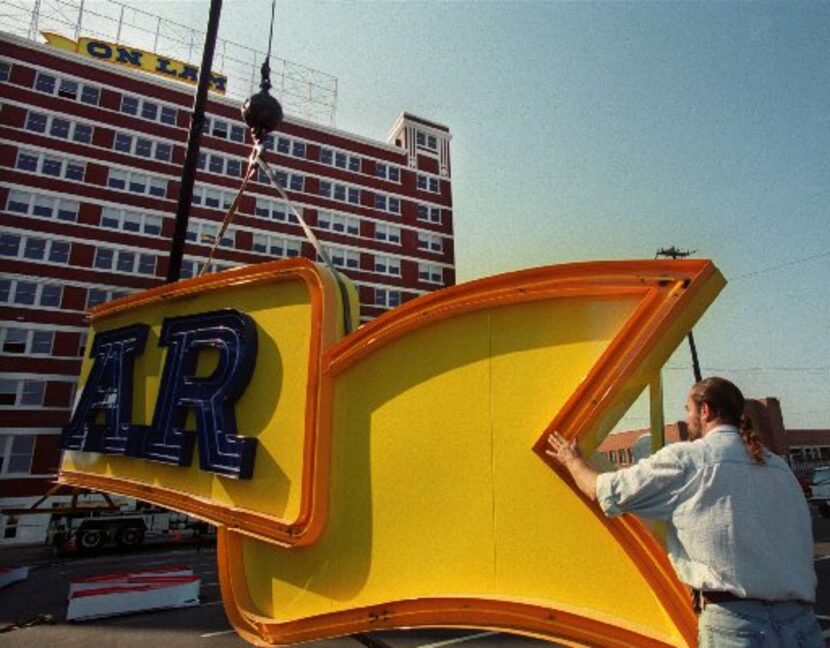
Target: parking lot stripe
{"type": "Point", "coordinates": [208, 635]}
{"type": "Point", "coordinates": [450, 642]}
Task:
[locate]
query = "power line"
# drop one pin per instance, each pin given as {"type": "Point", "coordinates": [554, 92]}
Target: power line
{"type": "Point", "coordinates": [780, 266]}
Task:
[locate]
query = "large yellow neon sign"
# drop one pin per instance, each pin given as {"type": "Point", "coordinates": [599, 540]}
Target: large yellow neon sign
{"type": "Point", "coordinates": [399, 477]}
{"type": "Point", "coordinates": [138, 59]}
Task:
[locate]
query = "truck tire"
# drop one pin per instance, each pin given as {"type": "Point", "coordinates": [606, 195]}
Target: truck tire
{"type": "Point", "coordinates": [131, 536]}
{"type": "Point", "coordinates": [91, 539]}
{"type": "Point", "coordinates": [824, 509]}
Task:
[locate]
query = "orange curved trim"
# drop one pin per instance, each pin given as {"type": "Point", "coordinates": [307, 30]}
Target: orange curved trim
{"type": "Point", "coordinates": [668, 289]}
{"type": "Point", "coordinates": [450, 612]}
{"type": "Point", "coordinates": [311, 516]}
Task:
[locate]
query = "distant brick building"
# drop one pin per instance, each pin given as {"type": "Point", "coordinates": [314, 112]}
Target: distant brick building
{"type": "Point", "coordinates": [803, 449]}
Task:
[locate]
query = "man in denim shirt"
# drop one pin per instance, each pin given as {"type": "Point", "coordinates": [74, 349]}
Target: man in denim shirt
{"type": "Point", "coordinates": [738, 526]}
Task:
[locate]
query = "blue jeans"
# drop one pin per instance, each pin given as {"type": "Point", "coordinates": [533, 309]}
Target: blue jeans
{"type": "Point", "coordinates": [756, 624]}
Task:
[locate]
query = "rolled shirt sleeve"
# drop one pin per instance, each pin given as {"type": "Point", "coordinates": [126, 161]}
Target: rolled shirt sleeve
{"type": "Point", "coordinates": [651, 488]}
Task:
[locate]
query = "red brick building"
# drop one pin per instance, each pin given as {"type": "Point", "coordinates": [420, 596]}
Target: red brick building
{"type": "Point", "coordinates": [90, 163]}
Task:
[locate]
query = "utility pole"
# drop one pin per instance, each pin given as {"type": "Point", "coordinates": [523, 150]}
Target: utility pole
{"type": "Point", "coordinates": [194, 140]}
{"type": "Point", "coordinates": [674, 253]}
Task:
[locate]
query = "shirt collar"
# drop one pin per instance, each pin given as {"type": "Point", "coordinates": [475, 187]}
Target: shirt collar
{"type": "Point", "coordinates": [723, 428]}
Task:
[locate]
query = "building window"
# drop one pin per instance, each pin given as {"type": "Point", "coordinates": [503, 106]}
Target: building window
{"type": "Point", "coordinates": [274, 210]}
{"type": "Point", "coordinates": [5, 71]}
{"type": "Point", "coordinates": [58, 127]}
{"type": "Point", "coordinates": [57, 167]}
{"type": "Point", "coordinates": [95, 296]}
{"type": "Point", "coordinates": [276, 246]}
{"type": "Point", "coordinates": [428, 183]}
{"type": "Point", "coordinates": [205, 233]}
{"type": "Point", "coordinates": [67, 88]}
{"type": "Point", "coordinates": [130, 221]}
{"type": "Point", "coordinates": [28, 393]}
{"type": "Point", "coordinates": [32, 204]}
{"type": "Point", "coordinates": [425, 141]}
{"type": "Point", "coordinates": [430, 273]}
{"type": "Point", "coordinates": [143, 147]}
{"type": "Point", "coordinates": [338, 223]}
{"type": "Point", "coordinates": [149, 110]}
{"type": "Point", "coordinates": [429, 214]}
{"type": "Point", "coordinates": [387, 298]}
{"type": "Point", "coordinates": [387, 203]}
{"type": "Point", "coordinates": [16, 452]}
{"type": "Point", "coordinates": [286, 146]}
{"type": "Point", "coordinates": [126, 261]}
{"type": "Point", "coordinates": [29, 293]}
{"type": "Point", "coordinates": [135, 182]}
{"type": "Point", "coordinates": [388, 265]}
{"type": "Point", "coordinates": [387, 172]}
{"type": "Point", "coordinates": [430, 242]}
{"type": "Point", "coordinates": [388, 233]}
{"type": "Point", "coordinates": [29, 341]}
{"type": "Point", "coordinates": [342, 258]}
{"type": "Point", "coordinates": [34, 249]}
{"type": "Point", "coordinates": [340, 159]}
{"type": "Point", "coordinates": [211, 198]}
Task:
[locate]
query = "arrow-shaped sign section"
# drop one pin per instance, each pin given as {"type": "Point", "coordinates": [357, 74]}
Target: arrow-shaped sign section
{"type": "Point", "coordinates": [426, 501]}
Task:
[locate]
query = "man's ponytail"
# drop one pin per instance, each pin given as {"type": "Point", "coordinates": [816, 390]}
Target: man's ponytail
{"type": "Point", "coordinates": [751, 440]}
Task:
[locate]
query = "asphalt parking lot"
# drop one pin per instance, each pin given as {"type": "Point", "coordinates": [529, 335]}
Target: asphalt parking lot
{"type": "Point", "coordinates": [33, 612]}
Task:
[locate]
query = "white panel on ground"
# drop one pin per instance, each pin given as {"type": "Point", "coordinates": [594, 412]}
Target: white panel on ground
{"type": "Point", "coordinates": [123, 593]}
{"type": "Point", "coordinates": [9, 575]}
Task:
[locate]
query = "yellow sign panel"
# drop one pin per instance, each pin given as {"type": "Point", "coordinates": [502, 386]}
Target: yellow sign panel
{"type": "Point", "coordinates": [399, 477]}
{"type": "Point", "coordinates": [137, 59]}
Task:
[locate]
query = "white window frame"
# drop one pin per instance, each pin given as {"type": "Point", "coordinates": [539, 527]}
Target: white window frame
{"type": "Point", "coordinates": [107, 294]}
{"type": "Point", "coordinates": [55, 92]}
{"type": "Point", "coordinates": [433, 214]}
{"type": "Point", "coordinates": [42, 157]}
{"type": "Point", "coordinates": [133, 150]}
{"type": "Point", "coordinates": [48, 244]}
{"type": "Point", "coordinates": [276, 246]}
{"type": "Point", "coordinates": [14, 286]}
{"type": "Point", "coordinates": [117, 257]}
{"type": "Point", "coordinates": [338, 223]}
{"type": "Point", "coordinates": [124, 215]}
{"type": "Point", "coordinates": [275, 207]}
{"type": "Point", "coordinates": [386, 298]}
{"type": "Point", "coordinates": [32, 200]}
{"type": "Point", "coordinates": [129, 177]}
{"type": "Point", "coordinates": [50, 118]}
{"type": "Point", "coordinates": [20, 394]}
{"type": "Point", "coordinates": [341, 257]}
{"type": "Point", "coordinates": [434, 273]}
{"type": "Point", "coordinates": [28, 341]}
{"type": "Point", "coordinates": [140, 109]}
{"type": "Point", "coordinates": [430, 242]}
{"type": "Point", "coordinates": [7, 442]}
{"type": "Point", "coordinates": [388, 233]}
{"type": "Point", "coordinates": [201, 232]}
{"type": "Point", "coordinates": [387, 265]}
{"type": "Point", "coordinates": [201, 193]}
{"type": "Point", "coordinates": [383, 170]}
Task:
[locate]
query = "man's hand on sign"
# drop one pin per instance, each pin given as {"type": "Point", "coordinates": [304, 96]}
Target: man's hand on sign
{"type": "Point", "coordinates": [562, 450]}
{"type": "Point", "coordinates": [568, 454]}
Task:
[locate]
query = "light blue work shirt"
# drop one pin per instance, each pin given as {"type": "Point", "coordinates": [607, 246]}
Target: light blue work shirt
{"type": "Point", "coordinates": [733, 525]}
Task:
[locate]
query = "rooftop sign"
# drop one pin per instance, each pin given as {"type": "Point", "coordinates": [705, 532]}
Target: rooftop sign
{"type": "Point", "coordinates": [137, 59]}
{"type": "Point", "coordinates": [394, 477]}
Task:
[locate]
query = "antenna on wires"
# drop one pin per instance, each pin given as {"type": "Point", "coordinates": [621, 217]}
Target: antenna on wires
{"type": "Point", "coordinates": [675, 253]}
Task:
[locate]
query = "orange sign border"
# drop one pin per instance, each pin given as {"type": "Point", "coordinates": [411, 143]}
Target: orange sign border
{"type": "Point", "coordinates": [310, 519]}
{"type": "Point", "coordinates": [670, 289]}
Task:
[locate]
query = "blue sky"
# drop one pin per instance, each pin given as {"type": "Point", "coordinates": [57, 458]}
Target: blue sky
{"type": "Point", "coordinates": [607, 130]}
